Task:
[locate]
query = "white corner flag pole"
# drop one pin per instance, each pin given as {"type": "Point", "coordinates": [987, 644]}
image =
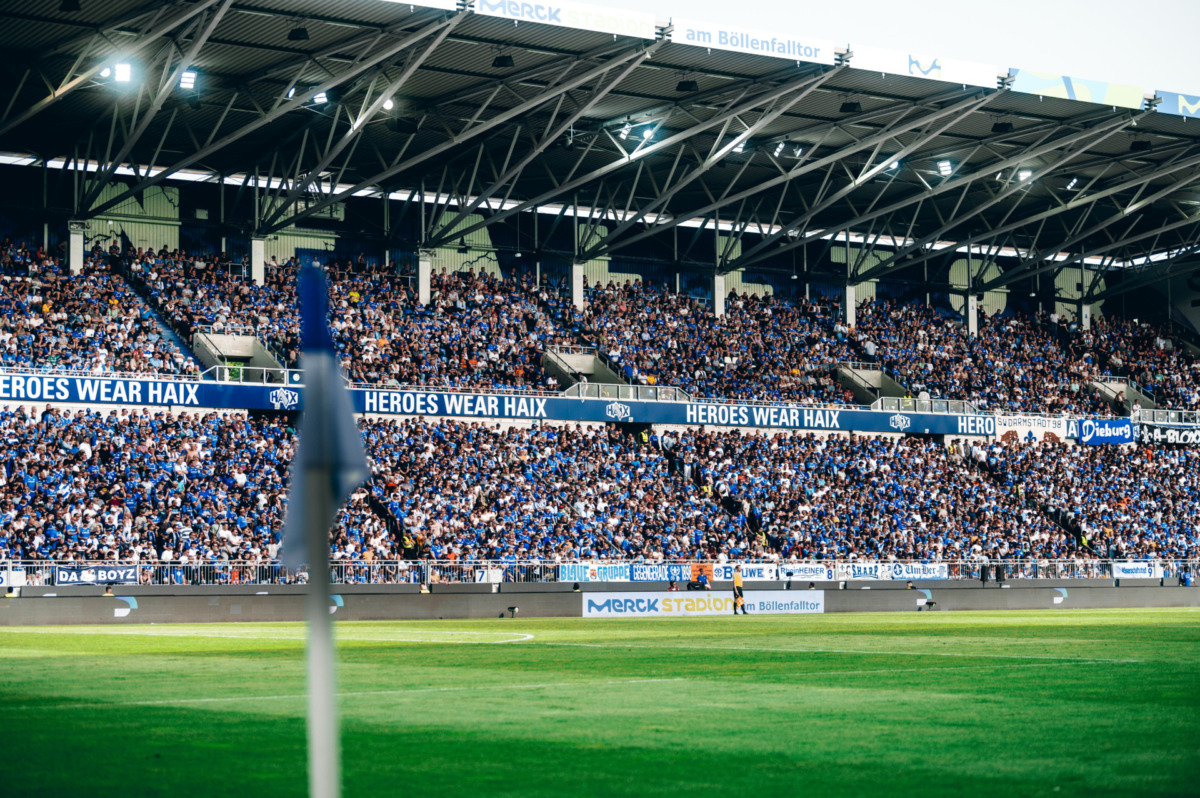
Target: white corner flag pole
{"type": "Point", "coordinates": [328, 463]}
{"type": "Point", "coordinates": [324, 750]}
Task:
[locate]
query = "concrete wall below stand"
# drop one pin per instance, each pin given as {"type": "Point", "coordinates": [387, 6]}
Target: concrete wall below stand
{"type": "Point", "coordinates": [197, 604]}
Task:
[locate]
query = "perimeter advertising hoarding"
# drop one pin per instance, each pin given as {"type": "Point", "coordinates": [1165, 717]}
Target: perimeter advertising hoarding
{"type": "Point", "coordinates": [667, 572]}
{"type": "Point", "coordinates": [868, 570]}
{"type": "Point", "coordinates": [677, 605]}
{"type": "Point", "coordinates": [1176, 436]}
{"type": "Point", "coordinates": [751, 572]}
{"type": "Point", "coordinates": [1137, 569]}
{"type": "Point", "coordinates": [563, 14]}
{"type": "Point", "coordinates": [593, 572]}
{"type": "Point", "coordinates": [810, 571]}
{"type": "Point", "coordinates": [24, 388]}
{"type": "Point", "coordinates": [718, 36]}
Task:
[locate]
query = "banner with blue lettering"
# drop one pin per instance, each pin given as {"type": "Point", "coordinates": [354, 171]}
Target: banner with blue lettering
{"type": "Point", "coordinates": [592, 572]}
{"type": "Point", "coordinates": [566, 14]}
{"type": "Point", "coordinates": [806, 571]}
{"type": "Point", "coordinates": [1100, 431]}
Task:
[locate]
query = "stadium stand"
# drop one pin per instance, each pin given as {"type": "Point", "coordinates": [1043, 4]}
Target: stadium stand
{"type": "Point", "coordinates": [762, 348]}
{"type": "Point", "coordinates": [51, 320]}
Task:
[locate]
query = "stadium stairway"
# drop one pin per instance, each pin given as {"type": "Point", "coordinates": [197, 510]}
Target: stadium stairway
{"type": "Point", "coordinates": [142, 290]}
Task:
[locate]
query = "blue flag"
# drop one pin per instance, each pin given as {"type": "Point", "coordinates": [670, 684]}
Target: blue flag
{"type": "Point", "coordinates": [330, 462]}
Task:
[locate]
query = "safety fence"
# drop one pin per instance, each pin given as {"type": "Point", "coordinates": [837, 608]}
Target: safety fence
{"type": "Point", "coordinates": [432, 572]}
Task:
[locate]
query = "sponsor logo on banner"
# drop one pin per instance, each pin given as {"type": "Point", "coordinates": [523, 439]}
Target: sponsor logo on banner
{"type": "Point", "coordinates": [592, 572]}
{"type": "Point", "coordinates": [899, 62]}
{"type": "Point", "coordinates": [802, 571]}
{"type": "Point", "coordinates": [905, 571]}
{"type": "Point", "coordinates": [1100, 431]}
{"type": "Point", "coordinates": [285, 399]}
{"type": "Point", "coordinates": [756, 42]}
{"type": "Point", "coordinates": [900, 422]}
{"type": "Point", "coordinates": [863, 570]}
{"type": "Point", "coordinates": [95, 575]}
{"type": "Point", "coordinates": [1178, 436]}
{"type": "Point", "coordinates": [1137, 569]}
{"type": "Point", "coordinates": [750, 572]}
{"type": "Point", "coordinates": [572, 15]}
{"type": "Point", "coordinates": [670, 572]}
{"type": "Point", "coordinates": [675, 605]}
{"type": "Point", "coordinates": [618, 411]}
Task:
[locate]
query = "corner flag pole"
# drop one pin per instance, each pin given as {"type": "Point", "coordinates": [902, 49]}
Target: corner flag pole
{"type": "Point", "coordinates": [328, 464]}
{"type": "Point", "coordinates": [324, 748]}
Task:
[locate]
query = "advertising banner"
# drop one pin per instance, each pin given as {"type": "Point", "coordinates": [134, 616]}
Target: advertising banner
{"type": "Point", "coordinates": [591, 572]}
{"type": "Point", "coordinates": [12, 577]}
{"type": "Point", "coordinates": [932, 67]}
{"type": "Point", "coordinates": [676, 605]}
{"type": "Point", "coordinates": [1101, 431]}
{"type": "Point", "coordinates": [863, 570]}
{"type": "Point", "coordinates": [750, 572]}
{"type": "Point", "coordinates": [755, 42]}
{"type": "Point", "coordinates": [164, 393]}
{"type": "Point", "coordinates": [1045, 84]}
{"type": "Point", "coordinates": [565, 14]}
{"type": "Point", "coordinates": [670, 572]}
{"type": "Point", "coordinates": [95, 575]}
{"type": "Point", "coordinates": [1137, 569]}
{"type": "Point", "coordinates": [1179, 104]}
{"type": "Point", "coordinates": [806, 571]}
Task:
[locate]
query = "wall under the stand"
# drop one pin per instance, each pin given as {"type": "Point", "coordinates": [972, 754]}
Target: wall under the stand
{"type": "Point", "coordinates": [165, 604]}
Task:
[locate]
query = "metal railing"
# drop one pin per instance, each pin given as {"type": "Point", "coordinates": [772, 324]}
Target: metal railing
{"type": "Point", "coordinates": [905, 405]}
{"type": "Point", "coordinates": [31, 573]}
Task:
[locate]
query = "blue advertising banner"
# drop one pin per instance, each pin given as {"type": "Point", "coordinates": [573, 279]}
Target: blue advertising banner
{"type": "Point", "coordinates": [95, 575]}
{"type": "Point", "coordinates": [1100, 431]}
{"type": "Point", "coordinates": [669, 572]}
{"type": "Point", "coordinates": [591, 572]}
{"type": "Point", "coordinates": [153, 393]}
{"type": "Point", "coordinates": [1178, 104]}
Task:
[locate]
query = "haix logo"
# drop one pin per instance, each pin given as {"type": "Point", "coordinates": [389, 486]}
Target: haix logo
{"type": "Point", "coordinates": [618, 411]}
{"type": "Point", "coordinates": [284, 399]}
{"type": "Point", "coordinates": [900, 422]}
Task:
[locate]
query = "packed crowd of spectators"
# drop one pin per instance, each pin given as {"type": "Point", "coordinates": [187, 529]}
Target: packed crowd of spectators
{"type": "Point", "coordinates": [762, 348]}
{"type": "Point", "coordinates": [1014, 363]}
{"type": "Point", "coordinates": [479, 331]}
{"type": "Point", "coordinates": [52, 320]}
{"type": "Point", "coordinates": [187, 489]}
{"type": "Point", "coordinates": [1148, 356]}
{"type": "Point", "coordinates": [209, 488]}
{"type": "Point", "coordinates": [1125, 502]}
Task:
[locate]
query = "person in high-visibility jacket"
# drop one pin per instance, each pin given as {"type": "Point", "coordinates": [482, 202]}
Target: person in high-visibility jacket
{"type": "Point", "coordinates": [739, 597]}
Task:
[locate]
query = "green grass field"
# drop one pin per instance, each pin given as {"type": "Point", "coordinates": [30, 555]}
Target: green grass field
{"type": "Point", "coordinates": [1054, 703]}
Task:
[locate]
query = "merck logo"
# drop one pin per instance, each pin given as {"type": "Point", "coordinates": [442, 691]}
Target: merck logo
{"type": "Point", "coordinates": [934, 70]}
{"type": "Point", "coordinates": [618, 411]}
{"type": "Point", "coordinates": [284, 399]}
{"type": "Point", "coordinates": [900, 422]}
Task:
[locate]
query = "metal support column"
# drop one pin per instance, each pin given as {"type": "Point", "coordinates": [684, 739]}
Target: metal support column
{"type": "Point", "coordinates": [424, 279]}
{"type": "Point", "coordinates": [258, 259]}
{"type": "Point", "coordinates": [76, 229]}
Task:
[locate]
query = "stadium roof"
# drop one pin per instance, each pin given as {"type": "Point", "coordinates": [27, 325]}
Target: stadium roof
{"type": "Point", "coordinates": [635, 134]}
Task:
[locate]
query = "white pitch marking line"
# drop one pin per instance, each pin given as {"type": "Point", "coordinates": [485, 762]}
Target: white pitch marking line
{"type": "Point", "coordinates": [849, 651]}
{"type": "Point", "coordinates": [352, 694]}
{"type": "Point", "coordinates": [300, 636]}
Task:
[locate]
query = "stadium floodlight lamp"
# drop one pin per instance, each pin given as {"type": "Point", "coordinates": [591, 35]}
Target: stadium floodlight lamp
{"type": "Point", "coordinates": [796, 153]}
{"type": "Point", "coordinates": [389, 104]}
{"type": "Point", "coordinates": [106, 72]}
{"type": "Point", "coordinates": [187, 79]}
{"type": "Point", "coordinates": [625, 131]}
{"type": "Point", "coordinates": [740, 146]}
{"type": "Point", "coordinates": [945, 168]}
{"type": "Point", "coordinates": [687, 87]}
{"type": "Point", "coordinates": [320, 98]}
{"type": "Point", "coordinates": [1074, 182]}
{"type": "Point", "coordinates": [503, 62]}
{"type": "Point", "coordinates": [648, 133]}
{"type": "Point", "coordinates": [778, 148]}
{"type": "Point", "coordinates": [291, 92]}
{"type": "Point", "coordinates": [1002, 127]}
{"type": "Point", "coordinates": [122, 73]}
{"type": "Point", "coordinates": [1024, 175]}
{"type": "Point", "coordinates": [894, 165]}
{"type": "Point", "coordinates": [851, 108]}
{"type": "Point", "coordinates": [298, 34]}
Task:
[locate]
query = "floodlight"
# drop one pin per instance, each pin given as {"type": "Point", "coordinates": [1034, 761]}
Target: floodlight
{"type": "Point", "coordinates": [894, 165]}
{"type": "Point", "coordinates": [851, 108]}
{"type": "Point", "coordinates": [687, 86]}
{"type": "Point", "coordinates": [104, 73]}
{"type": "Point", "coordinates": [320, 98]}
{"type": "Point", "coordinates": [1024, 175]}
{"type": "Point", "coordinates": [778, 149]}
{"type": "Point", "coordinates": [388, 104]}
{"type": "Point", "coordinates": [1002, 127]}
{"type": "Point", "coordinates": [1073, 183]}
{"type": "Point", "coordinates": [740, 146]}
{"type": "Point", "coordinates": [298, 34]}
{"type": "Point", "coordinates": [945, 168]}
{"type": "Point", "coordinates": [503, 62]}
{"type": "Point", "coordinates": [122, 73]}
{"type": "Point", "coordinates": [291, 92]}
{"type": "Point", "coordinates": [1139, 146]}
{"type": "Point", "coordinates": [187, 80]}
{"type": "Point", "coordinates": [648, 133]}
{"type": "Point", "coordinates": [625, 131]}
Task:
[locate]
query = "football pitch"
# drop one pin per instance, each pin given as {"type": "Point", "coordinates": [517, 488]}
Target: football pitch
{"type": "Point", "coordinates": [1050, 703]}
